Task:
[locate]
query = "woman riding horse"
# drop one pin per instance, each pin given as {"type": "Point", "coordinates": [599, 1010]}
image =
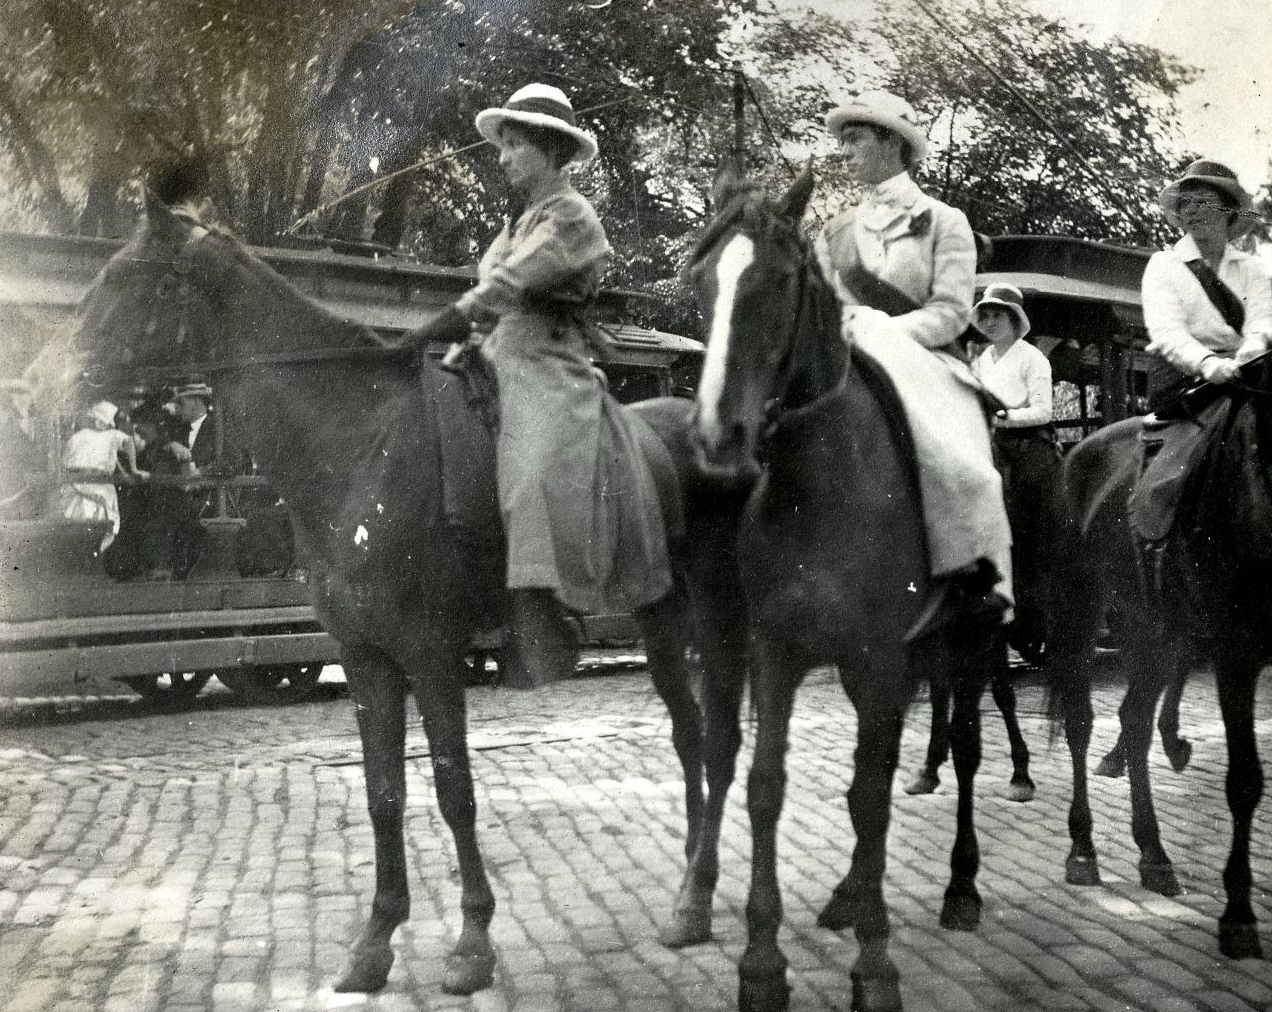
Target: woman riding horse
{"type": "Point", "coordinates": [579, 506]}
{"type": "Point", "coordinates": [1207, 305]}
{"type": "Point", "coordinates": [903, 265]}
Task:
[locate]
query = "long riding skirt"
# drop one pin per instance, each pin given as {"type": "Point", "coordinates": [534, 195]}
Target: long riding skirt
{"type": "Point", "coordinates": [579, 505]}
{"type": "Point", "coordinates": [963, 507]}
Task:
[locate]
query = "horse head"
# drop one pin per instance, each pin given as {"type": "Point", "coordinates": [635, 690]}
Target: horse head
{"type": "Point", "coordinates": [151, 304]}
{"type": "Point", "coordinates": [751, 274]}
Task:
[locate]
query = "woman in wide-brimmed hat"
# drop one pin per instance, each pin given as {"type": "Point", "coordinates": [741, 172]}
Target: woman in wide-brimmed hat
{"type": "Point", "coordinates": [1207, 304]}
{"type": "Point", "coordinates": [903, 265]}
{"type": "Point", "coordinates": [573, 486]}
{"type": "Point", "coordinates": [1026, 448]}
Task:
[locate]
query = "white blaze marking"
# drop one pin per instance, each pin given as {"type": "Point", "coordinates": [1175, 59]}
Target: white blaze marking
{"type": "Point", "coordinates": [361, 536]}
{"type": "Point", "coordinates": [737, 255]}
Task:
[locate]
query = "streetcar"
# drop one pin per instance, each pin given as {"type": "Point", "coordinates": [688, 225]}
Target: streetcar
{"type": "Point", "coordinates": [68, 626]}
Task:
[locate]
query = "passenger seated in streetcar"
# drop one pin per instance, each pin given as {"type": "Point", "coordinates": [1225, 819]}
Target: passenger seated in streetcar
{"type": "Point", "coordinates": [97, 451]}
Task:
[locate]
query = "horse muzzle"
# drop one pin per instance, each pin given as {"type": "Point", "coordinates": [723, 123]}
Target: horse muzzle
{"type": "Point", "coordinates": [723, 450]}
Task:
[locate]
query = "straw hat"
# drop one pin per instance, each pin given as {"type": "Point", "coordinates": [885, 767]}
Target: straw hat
{"type": "Point", "coordinates": [884, 109]}
{"type": "Point", "coordinates": [1007, 297]}
{"type": "Point", "coordinates": [193, 390]}
{"type": "Point", "coordinates": [1218, 177]}
{"type": "Point", "coordinates": [538, 105]}
{"type": "Point", "coordinates": [103, 412]}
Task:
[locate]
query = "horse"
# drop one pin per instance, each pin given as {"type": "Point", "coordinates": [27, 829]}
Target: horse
{"type": "Point", "coordinates": [1206, 588]}
{"type": "Point", "coordinates": [403, 570]}
{"type": "Point", "coordinates": [833, 555]}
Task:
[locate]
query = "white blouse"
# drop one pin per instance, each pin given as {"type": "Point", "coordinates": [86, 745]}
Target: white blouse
{"type": "Point", "coordinates": [1184, 327]}
{"type": "Point", "coordinates": [1021, 379]}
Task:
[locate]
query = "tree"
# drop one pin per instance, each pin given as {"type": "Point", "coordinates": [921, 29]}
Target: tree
{"type": "Point", "coordinates": [1034, 129]}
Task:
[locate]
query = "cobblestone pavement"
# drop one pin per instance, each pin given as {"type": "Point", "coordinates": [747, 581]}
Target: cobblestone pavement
{"type": "Point", "coordinates": [219, 858]}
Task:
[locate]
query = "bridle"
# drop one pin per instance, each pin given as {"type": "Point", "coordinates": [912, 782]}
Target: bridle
{"type": "Point", "coordinates": [795, 336]}
{"type": "Point", "coordinates": [175, 285]}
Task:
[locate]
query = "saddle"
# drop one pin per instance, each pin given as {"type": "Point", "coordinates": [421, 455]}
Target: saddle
{"type": "Point", "coordinates": [1171, 451]}
{"type": "Point", "coordinates": [468, 458]}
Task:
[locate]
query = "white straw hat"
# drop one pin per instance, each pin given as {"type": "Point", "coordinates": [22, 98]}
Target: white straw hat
{"type": "Point", "coordinates": [538, 105]}
{"type": "Point", "coordinates": [884, 109]}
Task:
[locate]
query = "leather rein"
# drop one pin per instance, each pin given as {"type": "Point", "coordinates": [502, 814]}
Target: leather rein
{"type": "Point", "coordinates": [176, 285]}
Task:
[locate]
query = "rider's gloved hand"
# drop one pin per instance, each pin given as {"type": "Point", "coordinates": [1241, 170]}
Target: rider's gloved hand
{"type": "Point", "coordinates": [1219, 370]}
{"type": "Point", "coordinates": [450, 326]}
{"type": "Point", "coordinates": [1249, 350]}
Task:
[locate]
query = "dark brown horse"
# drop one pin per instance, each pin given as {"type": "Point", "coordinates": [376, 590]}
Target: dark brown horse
{"type": "Point", "coordinates": [1209, 591]}
{"type": "Point", "coordinates": [404, 570]}
{"type": "Point", "coordinates": [834, 560]}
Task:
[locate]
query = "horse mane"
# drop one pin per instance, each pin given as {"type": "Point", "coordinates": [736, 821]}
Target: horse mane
{"type": "Point", "coordinates": [202, 214]}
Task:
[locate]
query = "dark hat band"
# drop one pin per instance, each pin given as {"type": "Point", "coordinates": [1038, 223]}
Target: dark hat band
{"type": "Point", "coordinates": [544, 107]}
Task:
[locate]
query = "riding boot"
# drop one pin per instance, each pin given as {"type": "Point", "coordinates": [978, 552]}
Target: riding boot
{"type": "Point", "coordinates": [542, 645]}
{"type": "Point", "coordinates": [965, 598]}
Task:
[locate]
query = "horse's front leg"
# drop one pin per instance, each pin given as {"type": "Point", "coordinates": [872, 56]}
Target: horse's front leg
{"type": "Point", "coordinates": [439, 694]}
{"type": "Point", "coordinates": [1022, 786]}
{"type": "Point", "coordinates": [720, 621]}
{"type": "Point", "coordinates": [762, 985]}
{"type": "Point", "coordinates": [1236, 678]}
{"type": "Point", "coordinates": [1144, 687]}
{"type": "Point", "coordinates": [1071, 679]}
{"type": "Point", "coordinates": [880, 692]}
{"type": "Point", "coordinates": [378, 691]}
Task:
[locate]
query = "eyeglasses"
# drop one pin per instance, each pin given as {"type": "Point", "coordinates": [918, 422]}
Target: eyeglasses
{"type": "Point", "coordinates": [1185, 203]}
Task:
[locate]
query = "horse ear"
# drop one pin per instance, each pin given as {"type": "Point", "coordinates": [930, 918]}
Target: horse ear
{"type": "Point", "coordinates": [729, 178]}
{"type": "Point", "coordinates": [159, 217]}
{"type": "Point", "coordinates": [795, 200]}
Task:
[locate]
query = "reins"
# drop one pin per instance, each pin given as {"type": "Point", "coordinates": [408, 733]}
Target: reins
{"type": "Point", "coordinates": [176, 283]}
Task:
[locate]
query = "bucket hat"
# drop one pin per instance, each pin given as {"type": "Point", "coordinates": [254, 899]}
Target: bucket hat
{"type": "Point", "coordinates": [1009, 298]}
{"type": "Point", "coordinates": [538, 105]}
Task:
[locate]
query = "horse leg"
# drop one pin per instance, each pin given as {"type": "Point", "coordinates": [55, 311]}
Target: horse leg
{"type": "Point", "coordinates": [972, 661]}
{"type": "Point", "coordinates": [1178, 750]}
{"type": "Point", "coordinates": [1143, 690]}
{"type": "Point", "coordinates": [721, 626]}
{"type": "Point", "coordinates": [378, 691]}
{"type": "Point", "coordinates": [439, 694]}
{"type": "Point", "coordinates": [927, 779]}
{"type": "Point", "coordinates": [1113, 764]}
{"type": "Point", "coordinates": [1236, 677]}
{"type": "Point", "coordinates": [881, 707]}
{"type": "Point", "coordinates": [762, 983]}
{"type": "Point", "coordinates": [1022, 786]}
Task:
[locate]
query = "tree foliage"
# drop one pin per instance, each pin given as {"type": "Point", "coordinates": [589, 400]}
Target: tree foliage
{"type": "Point", "coordinates": [286, 106]}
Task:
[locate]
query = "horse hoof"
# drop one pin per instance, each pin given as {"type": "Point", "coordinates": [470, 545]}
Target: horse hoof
{"type": "Point", "coordinates": [923, 783]}
{"type": "Point", "coordinates": [468, 972]}
{"type": "Point", "coordinates": [689, 926]}
{"type": "Point", "coordinates": [1112, 766]}
{"type": "Point", "coordinates": [764, 994]}
{"type": "Point", "coordinates": [875, 994]}
{"type": "Point", "coordinates": [837, 914]}
{"type": "Point", "coordinates": [1180, 756]}
{"type": "Point", "coordinates": [1021, 790]}
{"type": "Point", "coordinates": [961, 913]}
{"type": "Point", "coordinates": [1159, 876]}
{"type": "Point", "coordinates": [368, 972]}
{"type": "Point", "coordinates": [1082, 871]}
{"type": "Point", "coordinates": [1240, 941]}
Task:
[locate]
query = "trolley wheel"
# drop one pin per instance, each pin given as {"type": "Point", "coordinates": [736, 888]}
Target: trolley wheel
{"type": "Point", "coordinates": [251, 683]}
{"type": "Point", "coordinates": [303, 678]}
{"type": "Point", "coordinates": [182, 685]}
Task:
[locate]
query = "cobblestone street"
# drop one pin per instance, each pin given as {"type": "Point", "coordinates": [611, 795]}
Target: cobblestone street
{"type": "Point", "coordinates": [219, 857]}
